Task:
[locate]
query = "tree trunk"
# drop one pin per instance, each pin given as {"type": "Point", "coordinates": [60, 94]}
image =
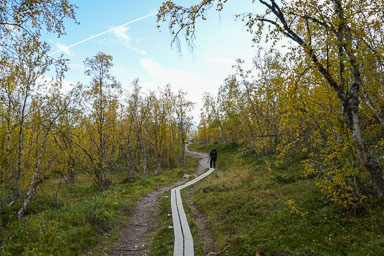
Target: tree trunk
{"type": "Point", "coordinates": [70, 176]}
{"type": "Point", "coordinates": [144, 159]}
{"type": "Point", "coordinates": [158, 164]}
{"type": "Point", "coordinates": [129, 168]}
{"type": "Point", "coordinates": [183, 145]}
{"type": "Point", "coordinates": [31, 193]}
{"type": "Point", "coordinates": [366, 158]}
{"type": "Point", "coordinates": [34, 183]}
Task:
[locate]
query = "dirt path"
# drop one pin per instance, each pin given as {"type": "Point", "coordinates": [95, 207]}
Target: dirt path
{"type": "Point", "coordinates": [135, 240]}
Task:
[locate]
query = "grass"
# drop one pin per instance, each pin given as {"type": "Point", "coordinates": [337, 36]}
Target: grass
{"type": "Point", "coordinates": [197, 245]}
{"type": "Point", "coordinates": [162, 244]}
{"type": "Point", "coordinates": [81, 220]}
{"type": "Point", "coordinates": [258, 206]}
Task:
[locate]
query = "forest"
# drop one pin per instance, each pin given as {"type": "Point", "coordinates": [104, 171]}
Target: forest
{"type": "Point", "coordinates": [57, 135]}
{"type": "Point", "coordinates": [322, 94]}
{"type": "Point", "coordinates": [307, 118]}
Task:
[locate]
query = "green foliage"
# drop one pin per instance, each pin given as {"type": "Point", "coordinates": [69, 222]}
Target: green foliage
{"type": "Point", "coordinates": [80, 217]}
{"type": "Point", "coordinates": [280, 211]}
{"type": "Point", "coordinates": [97, 214]}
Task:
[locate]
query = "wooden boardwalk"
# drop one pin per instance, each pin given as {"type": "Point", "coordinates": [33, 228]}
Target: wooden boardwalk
{"type": "Point", "coordinates": [183, 245]}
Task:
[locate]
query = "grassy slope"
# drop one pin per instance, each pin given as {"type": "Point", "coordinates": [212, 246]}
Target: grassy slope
{"type": "Point", "coordinates": [81, 218]}
{"type": "Point", "coordinates": [247, 206]}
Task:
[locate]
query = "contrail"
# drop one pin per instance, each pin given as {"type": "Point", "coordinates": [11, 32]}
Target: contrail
{"type": "Point", "coordinates": [105, 32]}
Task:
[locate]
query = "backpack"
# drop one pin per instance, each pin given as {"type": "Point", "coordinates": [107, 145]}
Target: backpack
{"type": "Point", "coordinates": [213, 154]}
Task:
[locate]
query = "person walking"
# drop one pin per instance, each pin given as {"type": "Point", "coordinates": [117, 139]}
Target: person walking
{"type": "Point", "coordinates": [212, 158]}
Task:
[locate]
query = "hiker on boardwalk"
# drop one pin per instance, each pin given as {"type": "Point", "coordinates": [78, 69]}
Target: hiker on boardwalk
{"type": "Point", "coordinates": [212, 158]}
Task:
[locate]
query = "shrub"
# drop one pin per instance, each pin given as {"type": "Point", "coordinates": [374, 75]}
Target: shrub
{"type": "Point", "coordinates": [97, 214]}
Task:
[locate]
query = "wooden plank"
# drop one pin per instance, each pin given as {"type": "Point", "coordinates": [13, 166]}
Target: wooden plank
{"type": "Point", "coordinates": [188, 239]}
{"type": "Point", "coordinates": [183, 244]}
{"type": "Point", "coordinates": [196, 179]}
{"type": "Point", "coordinates": [188, 247]}
{"type": "Point", "coordinates": [178, 243]}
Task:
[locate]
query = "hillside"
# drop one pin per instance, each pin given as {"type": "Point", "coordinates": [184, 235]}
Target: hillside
{"type": "Point", "coordinates": [255, 205]}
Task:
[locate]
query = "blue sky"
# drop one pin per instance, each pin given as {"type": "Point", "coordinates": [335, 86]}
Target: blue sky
{"type": "Point", "coordinates": [141, 51]}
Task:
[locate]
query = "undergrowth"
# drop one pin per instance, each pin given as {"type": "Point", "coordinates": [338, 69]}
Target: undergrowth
{"type": "Point", "coordinates": [80, 219]}
{"type": "Point", "coordinates": [262, 206]}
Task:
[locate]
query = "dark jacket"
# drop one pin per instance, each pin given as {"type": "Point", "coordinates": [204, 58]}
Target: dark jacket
{"type": "Point", "coordinates": [213, 154]}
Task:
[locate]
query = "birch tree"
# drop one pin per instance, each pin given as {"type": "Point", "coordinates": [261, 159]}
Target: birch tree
{"type": "Point", "coordinates": [331, 42]}
{"type": "Point", "coordinates": [100, 124]}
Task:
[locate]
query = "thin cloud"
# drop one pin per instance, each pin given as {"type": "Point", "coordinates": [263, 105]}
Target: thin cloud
{"type": "Point", "coordinates": [121, 33]}
{"type": "Point", "coordinates": [64, 48]}
{"type": "Point", "coordinates": [102, 33]}
{"type": "Point", "coordinates": [142, 52]}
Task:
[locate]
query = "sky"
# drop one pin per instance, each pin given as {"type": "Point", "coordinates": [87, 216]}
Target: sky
{"type": "Point", "coordinates": [140, 50]}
